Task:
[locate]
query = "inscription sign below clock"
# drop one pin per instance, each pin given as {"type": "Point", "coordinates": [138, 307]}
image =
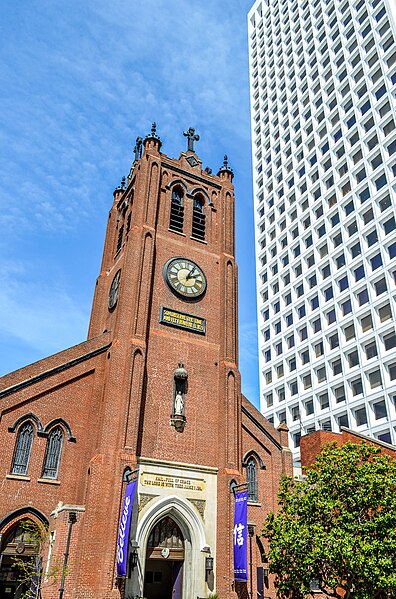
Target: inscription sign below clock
{"type": "Point", "coordinates": [185, 278]}
{"type": "Point", "coordinates": [180, 320]}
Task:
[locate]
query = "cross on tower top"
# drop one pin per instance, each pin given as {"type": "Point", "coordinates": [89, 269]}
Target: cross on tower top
{"type": "Point", "coordinates": [190, 134]}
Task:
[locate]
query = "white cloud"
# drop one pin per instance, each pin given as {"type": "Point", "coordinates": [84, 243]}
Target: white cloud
{"type": "Point", "coordinates": [176, 61]}
{"type": "Point", "coordinates": [82, 81]}
{"type": "Point", "coordinates": [44, 318]}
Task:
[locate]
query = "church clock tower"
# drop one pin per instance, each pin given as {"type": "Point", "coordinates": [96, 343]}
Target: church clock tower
{"type": "Point", "coordinates": [152, 396]}
{"type": "Point", "coordinates": [167, 293]}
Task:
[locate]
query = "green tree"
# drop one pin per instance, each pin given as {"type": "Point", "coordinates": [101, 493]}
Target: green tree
{"type": "Point", "coordinates": [338, 527]}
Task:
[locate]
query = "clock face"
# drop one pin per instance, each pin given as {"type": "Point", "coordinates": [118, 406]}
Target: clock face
{"type": "Point", "coordinates": [185, 278]}
{"type": "Point", "coordinates": [113, 293]}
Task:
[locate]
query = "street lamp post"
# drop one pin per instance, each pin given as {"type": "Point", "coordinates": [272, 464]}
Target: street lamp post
{"type": "Point", "coordinates": [72, 520]}
{"type": "Point", "coordinates": [251, 534]}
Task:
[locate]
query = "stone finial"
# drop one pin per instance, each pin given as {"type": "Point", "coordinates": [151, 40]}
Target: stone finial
{"type": "Point", "coordinates": [153, 136]}
{"type": "Point", "coordinates": [283, 434]}
{"type": "Point", "coordinates": [191, 136]}
{"type": "Point", "coordinates": [121, 187]}
{"type": "Point", "coordinates": [225, 168]}
{"type": "Point", "coordinates": [282, 426]}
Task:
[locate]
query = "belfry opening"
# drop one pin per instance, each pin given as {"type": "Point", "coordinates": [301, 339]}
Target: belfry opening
{"type": "Point", "coordinates": [164, 564]}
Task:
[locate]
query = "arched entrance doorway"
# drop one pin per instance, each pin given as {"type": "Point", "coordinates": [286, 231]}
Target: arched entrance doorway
{"type": "Point", "coordinates": [19, 546]}
{"type": "Point", "coordinates": [164, 561]}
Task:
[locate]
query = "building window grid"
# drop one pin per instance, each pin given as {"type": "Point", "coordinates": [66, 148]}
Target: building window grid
{"type": "Point", "coordinates": [358, 234]}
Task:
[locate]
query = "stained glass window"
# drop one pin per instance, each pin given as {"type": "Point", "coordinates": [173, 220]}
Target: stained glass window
{"type": "Point", "coordinates": [23, 449]}
{"type": "Point", "coordinates": [53, 453]}
{"type": "Point", "coordinates": [251, 478]}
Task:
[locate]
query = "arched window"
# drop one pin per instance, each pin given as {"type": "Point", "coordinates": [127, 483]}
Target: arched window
{"type": "Point", "coordinates": [53, 453]}
{"type": "Point", "coordinates": [166, 534]}
{"type": "Point", "coordinates": [177, 211]}
{"type": "Point", "coordinates": [251, 478]}
{"type": "Point", "coordinates": [19, 553]}
{"type": "Point", "coordinates": [198, 223]}
{"type": "Point", "coordinates": [23, 448]}
{"type": "Point", "coordinates": [24, 532]}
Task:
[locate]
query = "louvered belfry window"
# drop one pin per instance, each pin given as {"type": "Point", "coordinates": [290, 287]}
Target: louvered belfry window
{"type": "Point", "coordinates": [198, 224]}
{"type": "Point", "coordinates": [177, 211]}
{"type": "Point", "coordinates": [119, 240]}
{"type": "Point", "coordinates": [53, 453]}
{"type": "Point", "coordinates": [23, 448]}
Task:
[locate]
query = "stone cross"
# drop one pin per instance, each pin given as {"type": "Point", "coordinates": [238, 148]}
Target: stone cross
{"type": "Point", "coordinates": [190, 134]}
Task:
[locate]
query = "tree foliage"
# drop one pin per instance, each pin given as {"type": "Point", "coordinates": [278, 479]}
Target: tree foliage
{"type": "Point", "coordinates": [30, 569]}
{"type": "Point", "coordinates": [338, 527]}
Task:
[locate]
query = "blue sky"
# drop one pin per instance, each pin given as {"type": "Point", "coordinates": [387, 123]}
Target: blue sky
{"type": "Point", "coordinates": [81, 80]}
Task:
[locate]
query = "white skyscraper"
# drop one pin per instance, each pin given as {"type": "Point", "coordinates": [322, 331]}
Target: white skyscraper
{"type": "Point", "coordinates": [323, 106]}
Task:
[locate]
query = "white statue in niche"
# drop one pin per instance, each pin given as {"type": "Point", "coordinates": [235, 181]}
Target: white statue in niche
{"type": "Point", "coordinates": [178, 419]}
{"type": "Point", "coordinates": [179, 404]}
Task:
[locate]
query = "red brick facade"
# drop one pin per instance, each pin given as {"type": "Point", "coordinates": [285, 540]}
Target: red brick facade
{"type": "Point", "coordinates": [312, 444]}
{"type": "Point", "coordinates": [111, 397]}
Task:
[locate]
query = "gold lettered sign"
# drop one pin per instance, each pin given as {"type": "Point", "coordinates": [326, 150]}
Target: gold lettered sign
{"type": "Point", "coordinates": [172, 482]}
{"type": "Point", "coordinates": [181, 320]}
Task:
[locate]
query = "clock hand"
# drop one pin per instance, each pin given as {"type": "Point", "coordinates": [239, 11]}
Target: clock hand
{"type": "Point", "coordinates": [190, 274]}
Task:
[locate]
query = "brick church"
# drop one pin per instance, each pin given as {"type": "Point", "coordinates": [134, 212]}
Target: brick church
{"type": "Point", "coordinates": [153, 396]}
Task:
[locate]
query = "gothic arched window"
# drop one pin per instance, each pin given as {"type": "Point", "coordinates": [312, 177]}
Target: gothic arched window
{"type": "Point", "coordinates": [53, 453]}
{"type": "Point", "coordinates": [166, 533]}
{"type": "Point", "coordinates": [251, 478]}
{"type": "Point", "coordinates": [198, 223]}
{"type": "Point", "coordinates": [23, 448]}
{"type": "Point", "coordinates": [177, 211]}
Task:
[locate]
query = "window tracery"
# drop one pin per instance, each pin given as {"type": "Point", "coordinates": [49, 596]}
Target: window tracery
{"type": "Point", "coordinates": [23, 448]}
{"type": "Point", "coordinates": [53, 453]}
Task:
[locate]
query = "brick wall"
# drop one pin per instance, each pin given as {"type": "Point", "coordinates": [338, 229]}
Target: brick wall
{"type": "Point", "coordinates": [311, 444]}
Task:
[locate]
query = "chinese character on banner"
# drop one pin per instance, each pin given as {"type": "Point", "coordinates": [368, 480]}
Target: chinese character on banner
{"type": "Point", "coordinates": [240, 536]}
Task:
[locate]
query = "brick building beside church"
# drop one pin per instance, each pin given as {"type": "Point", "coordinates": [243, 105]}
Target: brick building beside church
{"type": "Point", "coordinates": [312, 444]}
{"type": "Point", "coordinates": [153, 394]}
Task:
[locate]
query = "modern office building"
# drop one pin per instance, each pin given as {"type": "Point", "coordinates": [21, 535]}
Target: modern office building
{"type": "Point", "coordinates": [323, 109]}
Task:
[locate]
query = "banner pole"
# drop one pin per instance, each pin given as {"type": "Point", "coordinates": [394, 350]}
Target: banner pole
{"type": "Point", "coordinates": [251, 533]}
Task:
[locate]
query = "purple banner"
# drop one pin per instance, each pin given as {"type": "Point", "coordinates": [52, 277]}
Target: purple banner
{"type": "Point", "coordinates": [240, 536]}
{"type": "Point", "coordinates": [123, 533]}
